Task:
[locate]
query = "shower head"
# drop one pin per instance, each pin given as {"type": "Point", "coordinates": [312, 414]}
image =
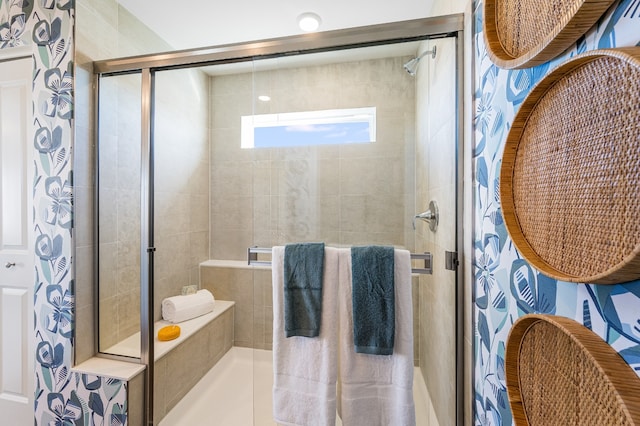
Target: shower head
{"type": "Point", "coordinates": [412, 65]}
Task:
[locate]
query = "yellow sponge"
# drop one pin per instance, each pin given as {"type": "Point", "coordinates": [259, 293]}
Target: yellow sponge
{"type": "Point", "coordinates": [169, 332]}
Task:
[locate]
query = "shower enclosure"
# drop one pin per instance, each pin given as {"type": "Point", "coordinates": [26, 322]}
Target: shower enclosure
{"type": "Point", "coordinates": [205, 153]}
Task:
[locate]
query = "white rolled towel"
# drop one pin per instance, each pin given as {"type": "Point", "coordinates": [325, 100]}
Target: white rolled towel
{"type": "Point", "coordinates": [181, 308]}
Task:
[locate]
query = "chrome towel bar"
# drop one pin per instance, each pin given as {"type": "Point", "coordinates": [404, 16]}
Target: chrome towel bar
{"type": "Point", "coordinates": [253, 259]}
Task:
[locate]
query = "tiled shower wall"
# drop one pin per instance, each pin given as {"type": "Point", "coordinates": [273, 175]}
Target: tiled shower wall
{"type": "Point", "coordinates": [119, 210]}
{"type": "Point", "coordinates": [348, 194]}
{"type": "Point", "coordinates": [436, 180]}
{"type": "Point", "coordinates": [250, 289]}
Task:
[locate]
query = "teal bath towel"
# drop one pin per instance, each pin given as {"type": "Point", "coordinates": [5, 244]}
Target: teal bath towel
{"type": "Point", "coordinates": [303, 288]}
{"type": "Point", "coordinates": [373, 294]}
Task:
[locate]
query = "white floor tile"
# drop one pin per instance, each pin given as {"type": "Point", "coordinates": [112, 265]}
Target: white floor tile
{"type": "Point", "coordinates": [225, 395]}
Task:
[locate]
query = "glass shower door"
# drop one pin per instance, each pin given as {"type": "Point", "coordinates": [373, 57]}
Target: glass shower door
{"type": "Point", "coordinates": [215, 195]}
{"type": "Point", "coordinates": [232, 176]}
{"type": "Point", "coordinates": [360, 192]}
{"type": "Point", "coordinates": [119, 210]}
{"type": "Point", "coordinates": [437, 180]}
{"type": "Point", "coordinates": [182, 169]}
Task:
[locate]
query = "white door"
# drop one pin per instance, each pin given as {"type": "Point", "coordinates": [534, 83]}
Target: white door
{"type": "Point", "coordinates": [16, 244]}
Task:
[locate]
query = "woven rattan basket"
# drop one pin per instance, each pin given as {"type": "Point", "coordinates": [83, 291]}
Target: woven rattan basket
{"type": "Point", "coordinates": [570, 173]}
{"type": "Point", "coordinates": [559, 372]}
{"type": "Point", "coordinates": [525, 33]}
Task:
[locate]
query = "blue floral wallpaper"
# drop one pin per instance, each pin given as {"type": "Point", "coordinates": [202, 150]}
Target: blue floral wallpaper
{"type": "Point", "coordinates": [61, 397]}
{"type": "Point", "coordinates": [506, 286]}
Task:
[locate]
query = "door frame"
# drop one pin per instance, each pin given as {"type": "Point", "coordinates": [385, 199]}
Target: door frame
{"type": "Point", "coordinates": [20, 52]}
{"type": "Point", "coordinates": [418, 29]}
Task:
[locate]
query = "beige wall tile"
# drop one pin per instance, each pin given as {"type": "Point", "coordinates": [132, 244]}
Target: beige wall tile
{"type": "Point", "coordinates": [84, 200]}
{"type": "Point", "coordinates": [128, 214]}
{"type": "Point", "coordinates": [84, 276]}
{"type": "Point", "coordinates": [84, 333]}
{"type": "Point", "coordinates": [108, 271]}
{"type": "Point", "coordinates": [198, 249]}
{"type": "Point", "coordinates": [161, 386]}
{"type": "Point", "coordinates": [128, 313]}
{"type": "Point", "coordinates": [135, 400]}
{"type": "Point", "coordinates": [108, 327]}
{"type": "Point", "coordinates": [298, 176]}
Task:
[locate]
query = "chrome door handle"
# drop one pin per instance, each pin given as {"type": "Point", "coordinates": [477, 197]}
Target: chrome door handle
{"type": "Point", "coordinates": [9, 265]}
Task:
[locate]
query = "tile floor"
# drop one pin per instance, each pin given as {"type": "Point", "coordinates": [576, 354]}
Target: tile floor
{"type": "Point", "coordinates": [225, 395]}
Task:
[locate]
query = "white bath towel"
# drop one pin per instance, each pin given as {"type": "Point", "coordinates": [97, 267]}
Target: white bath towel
{"type": "Point", "coordinates": [377, 390]}
{"type": "Point", "coordinates": [305, 369]}
{"type": "Point", "coordinates": [181, 308]}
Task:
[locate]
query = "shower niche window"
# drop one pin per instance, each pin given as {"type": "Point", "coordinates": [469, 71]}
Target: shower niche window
{"type": "Point", "coordinates": [326, 127]}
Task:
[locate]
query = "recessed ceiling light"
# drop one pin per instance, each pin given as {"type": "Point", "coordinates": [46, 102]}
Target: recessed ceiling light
{"type": "Point", "coordinates": [264, 98]}
{"type": "Point", "coordinates": [309, 21]}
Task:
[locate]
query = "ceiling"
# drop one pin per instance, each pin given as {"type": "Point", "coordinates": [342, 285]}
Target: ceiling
{"type": "Point", "coordinates": [200, 23]}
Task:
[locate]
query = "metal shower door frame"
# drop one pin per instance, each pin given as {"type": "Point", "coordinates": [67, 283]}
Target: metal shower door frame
{"type": "Point", "coordinates": [147, 65]}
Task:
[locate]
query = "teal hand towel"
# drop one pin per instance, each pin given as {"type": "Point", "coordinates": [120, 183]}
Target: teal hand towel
{"type": "Point", "coordinates": [303, 264]}
{"type": "Point", "coordinates": [373, 298]}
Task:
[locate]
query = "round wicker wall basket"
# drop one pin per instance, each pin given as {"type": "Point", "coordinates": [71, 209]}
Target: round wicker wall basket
{"type": "Point", "coordinates": [570, 173]}
{"type": "Point", "coordinates": [525, 33]}
{"type": "Point", "coordinates": [559, 372]}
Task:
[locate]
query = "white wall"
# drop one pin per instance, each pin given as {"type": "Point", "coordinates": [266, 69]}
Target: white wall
{"type": "Point", "coordinates": [235, 21]}
{"type": "Point", "coordinates": [448, 7]}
